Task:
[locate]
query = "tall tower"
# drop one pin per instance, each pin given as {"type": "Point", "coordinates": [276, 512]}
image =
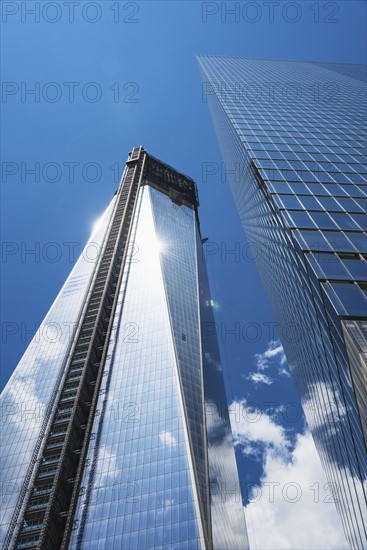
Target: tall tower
{"type": "Point", "coordinates": [116, 432]}
{"type": "Point", "coordinates": [293, 135]}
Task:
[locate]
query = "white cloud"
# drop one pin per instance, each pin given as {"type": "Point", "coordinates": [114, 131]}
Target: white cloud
{"type": "Point", "coordinates": [251, 427]}
{"type": "Point", "coordinates": [224, 484]}
{"type": "Point", "coordinates": [166, 506]}
{"type": "Point", "coordinates": [168, 439]}
{"type": "Point", "coordinates": [295, 519]}
{"type": "Point", "coordinates": [260, 378]}
{"type": "Point", "coordinates": [284, 372]}
{"type": "Point", "coordinates": [332, 405]}
{"type": "Point", "coordinates": [214, 421]}
{"type": "Point", "coordinates": [284, 512]}
{"type": "Point", "coordinates": [275, 350]}
{"type": "Point", "coordinates": [274, 357]}
{"type": "Point", "coordinates": [107, 468]}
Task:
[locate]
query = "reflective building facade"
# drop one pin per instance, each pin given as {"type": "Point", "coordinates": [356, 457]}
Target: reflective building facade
{"type": "Point", "coordinates": [115, 425]}
{"type": "Point", "coordinates": [293, 138]}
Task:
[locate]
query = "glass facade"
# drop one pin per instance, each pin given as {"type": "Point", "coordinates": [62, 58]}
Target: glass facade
{"type": "Point", "coordinates": [293, 137]}
{"type": "Point", "coordinates": [29, 397]}
{"type": "Point", "coordinates": [157, 466]}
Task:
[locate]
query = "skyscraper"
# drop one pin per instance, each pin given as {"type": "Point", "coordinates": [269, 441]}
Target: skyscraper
{"type": "Point", "coordinates": [116, 432]}
{"type": "Point", "coordinates": [293, 138]}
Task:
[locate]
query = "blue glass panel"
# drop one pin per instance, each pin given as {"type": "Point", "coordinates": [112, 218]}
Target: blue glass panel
{"type": "Point", "coordinates": [357, 268]}
{"type": "Point", "coordinates": [139, 475]}
{"type": "Point", "coordinates": [313, 150]}
{"type": "Point", "coordinates": [28, 398]}
{"type": "Point", "coordinates": [350, 299]}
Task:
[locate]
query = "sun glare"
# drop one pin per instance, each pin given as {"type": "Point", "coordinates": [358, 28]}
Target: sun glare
{"type": "Point", "coordinates": [97, 224]}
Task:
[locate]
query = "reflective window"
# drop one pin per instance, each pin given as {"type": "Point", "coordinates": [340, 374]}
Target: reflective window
{"type": "Point", "coordinates": [313, 151]}
{"type": "Point", "coordinates": [322, 220]}
{"type": "Point", "coordinates": [29, 396]}
{"type": "Point", "coordinates": [357, 268]}
{"type": "Point", "coordinates": [300, 219]}
{"type": "Point", "coordinates": [350, 299]}
{"type": "Point", "coordinates": [311, 203]}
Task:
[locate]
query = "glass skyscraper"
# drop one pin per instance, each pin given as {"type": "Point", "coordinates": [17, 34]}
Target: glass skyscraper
{"type": "Point", "coordinates": [115, 428]}
{"type": "Point", "coordinates": [293, 139]}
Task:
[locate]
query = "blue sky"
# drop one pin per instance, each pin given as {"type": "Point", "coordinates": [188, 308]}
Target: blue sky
{"type": "Point", "coordinates": [146, 90]}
